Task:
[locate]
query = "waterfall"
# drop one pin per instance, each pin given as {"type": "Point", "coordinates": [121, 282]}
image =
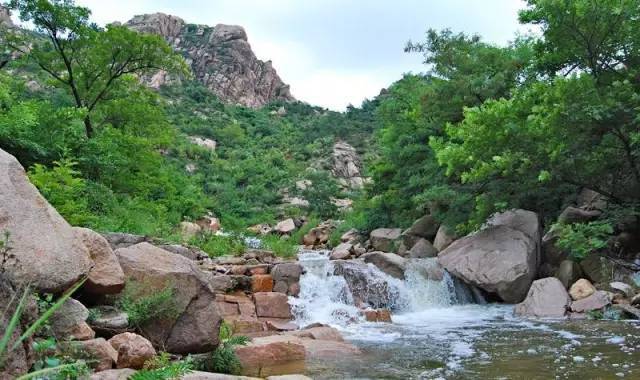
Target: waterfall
{"type": "Point", "coordinates": [334, 292]}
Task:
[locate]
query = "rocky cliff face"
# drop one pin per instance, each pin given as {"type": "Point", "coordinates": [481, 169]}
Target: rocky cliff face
{"type": "Point", "coordinates": [220, 57]}
{"type": "Point", "coordinates": [5, 17]}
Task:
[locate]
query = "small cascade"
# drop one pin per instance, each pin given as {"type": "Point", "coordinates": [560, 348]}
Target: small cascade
{"type": "Point", "coordinates": [334, 292]}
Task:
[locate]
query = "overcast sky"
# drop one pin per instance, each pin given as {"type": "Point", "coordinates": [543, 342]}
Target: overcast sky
{"type": "Point", "coordinates": [333, 52]}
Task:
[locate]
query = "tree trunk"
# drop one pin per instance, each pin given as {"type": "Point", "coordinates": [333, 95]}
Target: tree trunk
{"type": "Point", "coordinates": [88, 127]}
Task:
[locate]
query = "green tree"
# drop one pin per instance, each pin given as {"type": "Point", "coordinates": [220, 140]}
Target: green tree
{"type": "Point", "coordinates": [86, 60]}
{"type": "Point", "coordinates": [597, 36]}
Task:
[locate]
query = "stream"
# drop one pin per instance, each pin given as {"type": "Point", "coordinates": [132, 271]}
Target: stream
{"type": "Point", "coordinates": [442, 330]}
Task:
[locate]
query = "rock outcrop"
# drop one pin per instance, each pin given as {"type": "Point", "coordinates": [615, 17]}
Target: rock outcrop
{"type": "Point", "coordinates": [347, 165]}
{"type": "Point", "coordinates": [501, 259]}
{"type": "Point", "coordinates": [5, 17]}
{"type": "Point", "coordinates": [220, 57]}
{"type": "Point", "coordinates": [43, 249]}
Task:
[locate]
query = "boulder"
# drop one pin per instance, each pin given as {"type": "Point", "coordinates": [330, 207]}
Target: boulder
{"type": "Point", "coordinates": [272, 305]}
{"type": "Point", "coordinates": [122, 240]}
{"type": "Point", "coordinates": [261, 229]}
{"type": "Point", "coordinates": [113, 374]}
{"type": "Point", "coordinates": [188, 252]}
{"type": "Point", "coordinates": [568, 273]}
{"type": "Point", "coordinates": [341, 252]}
{"type": "Point", "coordinates": [365, 283]}
{"type": "Point", "coordinates": [261, 283]}
{"type": "Point", "coordinates": [109, 321]}
{"type": "Point", "coordinates": [45, 252]}
{"type": "Point", "coordinates": [289, 377]}
{"type": "Point", "coordinates": [578, 215]}
{"type": "Point", "coordinates": [106, 275]}
{"type": "Point", "coordinates": [547, 298]}
{"type": "Point", "coordinates": [422, 249]}
{"type": "Point", "coordinates": [189, 230]}
{"type": "Point", "coordinates": [425, 227]}
{"type": "Point", "coordinates": [133, 350]}
{"type": "Point", "coordinates": [286, 278]}
{"type": "Point", "coordinates": [203, 142]}
{"type": "Point", "coordinates": [601, 269]}
{"type": "Point", "coordinates": [595, 301]}
{"type": "Point", "coordinates": [103, 355]}
{"type": "Point", "coordinates": [69, 322]}
{"type": "Point", "coordinates": [380, 315]}
{"type": "Point", "coordinates": [285, 227]}
{"type": "Point", "coordinates": [444, 238]}
{"type": "Point", "coordinates": [198, 319]}
{"type": "Point", "coordinates": [350, 236]}
{"type": "Point", "coordinates": [260, 358]}
{"type": "Point", "coordinates": [497, 259]}
{"type": "Point", "coordinates": [385, 239]}
{"type": "Point", "coordinates": [522, 220]}
{"type": "Point", "coordinates": [389, 263]}
{"type": "Point", "coordinates": [581, 289]}
{"type": "Point", "coordinates": [622, 288]}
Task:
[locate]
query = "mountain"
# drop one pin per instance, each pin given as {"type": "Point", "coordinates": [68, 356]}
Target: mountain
{"type": "Point", "coordinates": [220, 57]}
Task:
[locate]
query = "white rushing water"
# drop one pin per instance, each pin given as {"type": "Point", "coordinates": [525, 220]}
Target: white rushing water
{"type": "Point", "coordinates": [331, 298]}
{"type": "Point", "coordinates": [440, 326]}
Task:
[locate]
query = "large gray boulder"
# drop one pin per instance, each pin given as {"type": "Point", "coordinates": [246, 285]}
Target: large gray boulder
{"type": "Point", "coordinates": [501, 259]}
{"type": "Point", "coordinates": [195, 329]}
{"type": "Point", "coordinates": [390, 263]}
{"type": "Point", "coordinates": [43, 248]}
{"type": "Point", "coordinates": [385, 239]}
{"type": "Point", "coordinates": [425, 227]}
{"type": "Point", "coordinates": [547, 298]}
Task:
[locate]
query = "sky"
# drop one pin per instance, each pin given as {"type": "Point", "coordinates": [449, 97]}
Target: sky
{"type": "Point", "coordinates": [333, 52]}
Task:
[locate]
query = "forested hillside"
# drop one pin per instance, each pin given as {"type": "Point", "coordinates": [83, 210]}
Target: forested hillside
{"type": "Point", "coordinates": [486, 128]}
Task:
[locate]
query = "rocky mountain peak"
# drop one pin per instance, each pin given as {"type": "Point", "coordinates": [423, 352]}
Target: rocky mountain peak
{"type": "Point", "coordinates": [5, 17]}
{"type": "Point", "coordinates": [221, 58]}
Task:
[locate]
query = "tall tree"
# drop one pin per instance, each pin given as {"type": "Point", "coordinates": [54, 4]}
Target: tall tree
{"type": "Point", "coordinates": [85, 59]}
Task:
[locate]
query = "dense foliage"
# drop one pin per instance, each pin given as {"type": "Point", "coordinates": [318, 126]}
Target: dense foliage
{"type": "Point", "coordinates": [527, 125]}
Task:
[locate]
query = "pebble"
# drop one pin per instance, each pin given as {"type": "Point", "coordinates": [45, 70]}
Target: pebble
{"type": "Point", "coordinates": [578, 359]}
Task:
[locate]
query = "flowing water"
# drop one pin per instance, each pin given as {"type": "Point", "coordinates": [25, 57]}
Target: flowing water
{"type": "Point", "coordinates": [442, 330]}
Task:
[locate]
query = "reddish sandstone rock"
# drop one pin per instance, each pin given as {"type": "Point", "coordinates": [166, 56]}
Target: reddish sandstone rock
{"type": "Point", "coordinates": [272, 305]}
{"type": "Point", "coordinates": [106, 275]}
{"type": "Point", "coordinates": [133, 350]}
{"type": "Point", "coordinates": [103, 354]}
{"type": "Point", "coordinates": [261, 283]}
{"type": "Point", "coordinates": [380, 315]}
{"type": "Point", "coordinates": [113, 374]}
{"type": "Point", "coordinates": [271, 358]}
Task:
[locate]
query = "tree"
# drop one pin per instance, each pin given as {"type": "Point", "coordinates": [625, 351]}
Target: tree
{"type": "Point", "coordinates": [88, 60]}
{"type": "Point", "coordinates": [598, 36]}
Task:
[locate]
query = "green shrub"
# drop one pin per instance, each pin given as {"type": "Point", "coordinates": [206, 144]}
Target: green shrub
{"type": "Point", "coordinates": [220, 245]}
{"type": "Point", "coordinates": [286, 248]}
{"type": "Point", "coordinates": [224, 359]}
{"type": "Point", "coordinates": [581, 239]}
{"type": "Point", "coordinates": [64, 189]}
{"type": "Point", "coordinates": [160, 367]}
{"type": "Point", "coordinates": [144, 303]}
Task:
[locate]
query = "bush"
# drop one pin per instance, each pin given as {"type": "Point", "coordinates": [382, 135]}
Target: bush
{"type": "Point", "coordinates": [286, 248]}
{"type": "Point", "coordinates": [144, 303]}
{"type": "Point", "coordinates": [160, 367]}
{"type": "Point", "coordinates": [581, 239]}
{"type": "Point", "coordinates": [220, 245]}
{"type": "Point", "coordinates": [64, 189]}
{"type": "Point", "coordinates": [224, 359]}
